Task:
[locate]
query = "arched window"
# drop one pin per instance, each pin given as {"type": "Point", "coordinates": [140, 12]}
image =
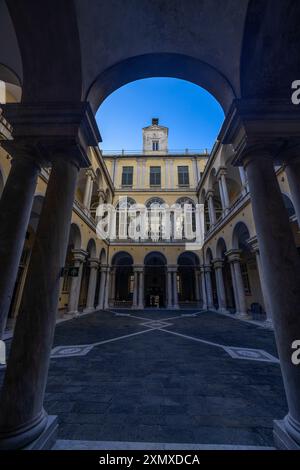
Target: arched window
{"type": "Point", "coordinates": [288, 205]}
{"type": "Point", "coordinates": [155, 218]}
{"type": "Point", "coordinates": [122, 216]}
{"type": "Point", "coordinates": [189, 219]}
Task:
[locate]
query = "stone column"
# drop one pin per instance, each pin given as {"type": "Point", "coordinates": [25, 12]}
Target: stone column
{"type": "Point", "coordinates": [107, 289]}
{"type": "Point", "coordinates": [100, 305]}
{"type": "Point", "coordinates": [209, 293]}
{"type": "Point", "coordinates": [141, 288]}
{"type": "Point", "coordinates": [225, 189]}
{"type": "Point", "coordinates": [113, 284]}
{"type": "Point", "coordinates": [243, 177]}
{"type": "Point", "coordinates": [211, 208]}
{"type": "Point", "coordinates": [90, 304]}
{"type": "Point", "coordinates": [79, 257]}
{"type": "Point", "coordinates": [22, 416]}
{"type": "Point", "coordinates": [218, 265]}
{"type": "Point", "coordinates": [175, 292]}
{"type": "Point", "coordinates": [204, 296]}
{"type": "Point", "coordinates": [234, 257]}
{"type": "Point", "coordinates": [15, 207]}
{"type": "Point", "coordinates": [254, 245]}
{"type": "Point", "coordinates": [281, 271]}
{"type": "Point", "coordinates": [170, 300]}
{"type": "Point", "coordinates": [292, 169]}
{"type": "Point", "coordinates": [135, 289]}
{"type": "Point", "coordinates": [88, 191]}
{"type": "Point", "coordinates": [221, 194]}
{"type": "Point", "coordinates": [235, 291]}
{"type": "Point", "coordinates": [197, 285]}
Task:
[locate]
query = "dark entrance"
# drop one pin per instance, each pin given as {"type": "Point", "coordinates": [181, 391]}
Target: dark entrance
{"type": "Point", "coordinates": [155, 280]}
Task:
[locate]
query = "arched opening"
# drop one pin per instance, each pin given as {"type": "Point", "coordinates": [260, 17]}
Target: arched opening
{"type": "Point", "coordinates": [123, 217]}
{"type": "Point", "coordinates": [73, 244]}
{"type": "Point", "coordinates": [226, 272]}
{"type": "Point", "coordinates": [288, 204]}
{"type": "Point", "coordinates": [188, 284]}
{"type": "Point", "coordinates": [155, 218]}
{"type": "Point", "coordinates": [121, 288]}
{"type": "Point", "coordinates": [249, 269]}
{"type": "Point", "coordinates": [155, 279]}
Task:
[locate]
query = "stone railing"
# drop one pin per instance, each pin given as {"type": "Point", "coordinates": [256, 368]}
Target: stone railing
{"type": "Point", "coordinates": [149, 153]}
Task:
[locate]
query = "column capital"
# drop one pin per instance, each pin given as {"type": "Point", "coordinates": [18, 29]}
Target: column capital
{"type": "Point", "coordinates": [260, 127]}
{"type": "Point", "coordinates": [93, 263]}
{"type": "Point", "coordinates": [54, 130]}
{"type": "Point", "coordinates": [138, 268]}
{"type": "Point", "coordinates": [210, 193]}
{"type": "Point", "coordinates": [104, 268]}
{"type": "Point", "coordinates": [233, 255]}
{"type": "Point", "coordinates": [79, 254]}
{"type": "Point", "coordinates": [253, 243]}
{"type": "Point", "coordinates": [172, 268]}
{"type": "Point", "coordinates": [221, 171]}
{"type": "Point", "coordinates": [218, 263]}
{"type": "Point", "coordinates": [207, 268]}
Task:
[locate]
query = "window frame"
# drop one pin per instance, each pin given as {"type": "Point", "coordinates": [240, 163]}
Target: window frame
{"type": "Point", "coordinates": [183, 175]}
{"type": "Point", "coordinates": [124, 174]}
{"type": "Point", "coordinates": [156, 176]}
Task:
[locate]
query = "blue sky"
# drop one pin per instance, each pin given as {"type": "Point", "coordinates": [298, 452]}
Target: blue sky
{"type": "Point", "coordinates": [193, 116]}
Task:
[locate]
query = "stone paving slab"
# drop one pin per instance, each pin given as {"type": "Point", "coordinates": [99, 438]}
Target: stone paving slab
{"type": "Point", "coordinates": [164, 388]}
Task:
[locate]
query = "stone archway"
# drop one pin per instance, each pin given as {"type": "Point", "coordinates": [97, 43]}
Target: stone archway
{"type": "Point", "coordinates": [188, 263]}
{"type": "Point", "coordinates": [155, 280]}
{"type": "Point", "coordinates": [121, 289]}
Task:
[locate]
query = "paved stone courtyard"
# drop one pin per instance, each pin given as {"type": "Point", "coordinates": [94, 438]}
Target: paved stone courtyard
{"type": "Point", "coordinates": [165, 377]}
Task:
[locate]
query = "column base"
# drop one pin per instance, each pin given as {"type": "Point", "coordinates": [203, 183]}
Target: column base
{"type": "Point", "coordinates": [222, 310]}
{"type": "Point", "coordinates": [39, 434]}
{"type": "Point", "coordinates": [140, 307]}
{"type": "Point", "coordinates": [47, 439]}
{"type": "Point", "coordinates": [89, 310]}
{"type": "Point", "coordinates": [286, 434]}
{"type": "Point", "coordinates": [243, 316]}
{"type": "Point", "coordinates": [269, 323]}
{"type": "Point", "coordinates": [72, 314]}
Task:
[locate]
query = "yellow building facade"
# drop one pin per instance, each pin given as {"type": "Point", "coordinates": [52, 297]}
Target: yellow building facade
{"type": "Point", "coordinates": [161, 272]}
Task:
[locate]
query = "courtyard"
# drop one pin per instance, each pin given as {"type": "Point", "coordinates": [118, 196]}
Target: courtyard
{"type": "Point", "coordinates": [160, 376]}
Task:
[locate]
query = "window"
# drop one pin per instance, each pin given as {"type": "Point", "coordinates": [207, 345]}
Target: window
{"type": "Point", "coordinates": [154, 175]}
{"type": "Point", "coordinates": [155, 145]}
{"type": "Point", "coordinates": [127, 176]}
{"type": "Point", "coordinates": [183, 176]}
